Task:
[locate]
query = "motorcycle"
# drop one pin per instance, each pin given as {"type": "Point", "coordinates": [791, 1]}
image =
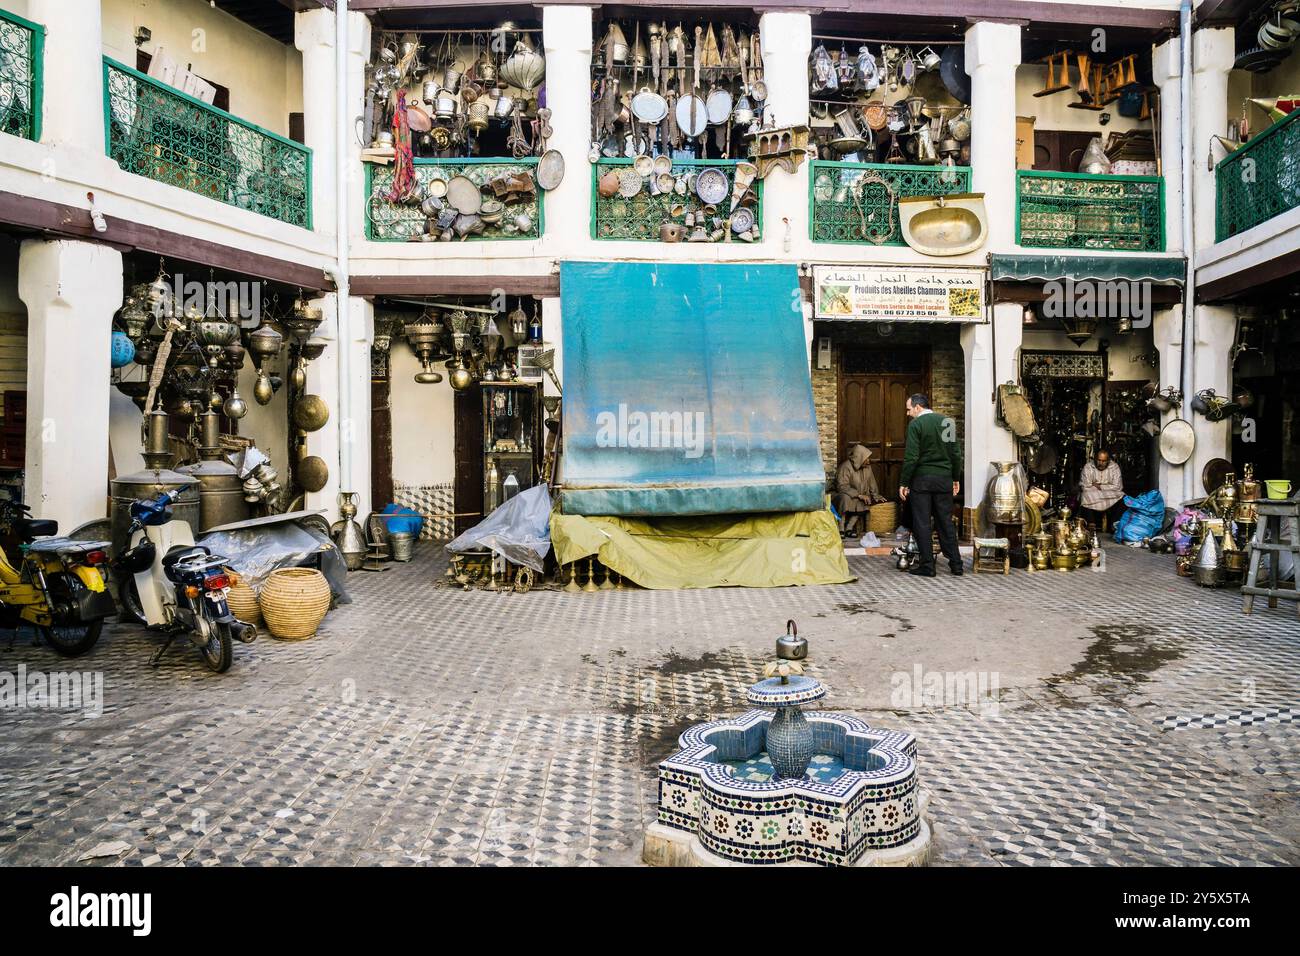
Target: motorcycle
{"type": "Point", "coordinates": [169, 582]}
{"type": "Point", "coordinates": [59, 585]}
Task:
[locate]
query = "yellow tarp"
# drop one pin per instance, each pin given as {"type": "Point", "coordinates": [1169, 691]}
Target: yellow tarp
{"type": "Point", "coordinates": [754, 551]}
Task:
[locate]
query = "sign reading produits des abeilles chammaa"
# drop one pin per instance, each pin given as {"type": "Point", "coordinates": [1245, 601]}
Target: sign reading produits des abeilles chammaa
{"type": "Point", "coordinates": [898, 294]}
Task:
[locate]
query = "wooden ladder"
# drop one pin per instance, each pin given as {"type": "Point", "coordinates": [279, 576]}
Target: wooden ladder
{"type": "Point", "coordinates": [1271, 514]}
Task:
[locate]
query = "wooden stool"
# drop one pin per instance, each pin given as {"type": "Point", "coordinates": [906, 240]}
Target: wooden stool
{"type": "Point", "coordinates": [991, 554]}
{"type": "Point", "coordinates": [1271, 513]}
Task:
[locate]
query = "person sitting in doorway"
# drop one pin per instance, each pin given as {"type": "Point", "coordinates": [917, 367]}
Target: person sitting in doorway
{"type": "Point", "coordinates": [1101, 492]}
{"type": "Point", "coordinates": [855, 488]}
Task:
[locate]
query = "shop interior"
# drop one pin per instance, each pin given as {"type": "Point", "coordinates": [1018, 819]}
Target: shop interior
{"type": "Point", "coordinates": [458, 421]}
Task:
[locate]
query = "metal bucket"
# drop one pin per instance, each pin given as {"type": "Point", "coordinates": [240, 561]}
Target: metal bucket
{"type": "Point", "coordinates": [127, 489]}
{"type": "Point", "coordinates": [403, 545]}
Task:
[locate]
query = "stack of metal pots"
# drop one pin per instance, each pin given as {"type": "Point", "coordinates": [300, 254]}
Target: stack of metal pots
{"type": "Point", "coordinates": [155, 477]}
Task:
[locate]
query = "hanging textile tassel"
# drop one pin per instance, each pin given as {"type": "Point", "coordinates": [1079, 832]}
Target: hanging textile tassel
{"type": "Point", "coordinates": [403, 160]}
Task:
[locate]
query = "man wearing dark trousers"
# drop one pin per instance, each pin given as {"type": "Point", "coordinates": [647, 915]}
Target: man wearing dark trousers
{"type": "Point", "coordinates": [930, 479]}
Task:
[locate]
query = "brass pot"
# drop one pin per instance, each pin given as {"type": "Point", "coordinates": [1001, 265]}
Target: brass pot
{"type": "Point", "coordinates": [671, 232]}
{"type": "Point", "coordinates": [311, 413]}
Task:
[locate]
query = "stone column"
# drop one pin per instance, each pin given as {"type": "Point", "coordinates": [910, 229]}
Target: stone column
{"type": "Point", "coordinates": [992, 55]}
{"type": "Point", "coordinates": [566, 35]}
{"type": "Point", "coordinates": [71, 290]}
{"type": "Point", "coordinates": [787, 43]}
{"type": "Point", "coordinates": [992, 354]}
{"type": "Point", "coordinates": [314, 38]}
{"type": "Point", "coordinates": [1167, 67]}
{"type": "Point", "coordinates": [74, 73]}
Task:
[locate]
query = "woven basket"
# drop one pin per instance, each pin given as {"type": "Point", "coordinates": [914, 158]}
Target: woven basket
{"type": "Point", "coordinates": [294, 601]}
{"type": "Point", "coordinates": [242, 601]}
{"type": "Point", "coordinates": [883, 518]}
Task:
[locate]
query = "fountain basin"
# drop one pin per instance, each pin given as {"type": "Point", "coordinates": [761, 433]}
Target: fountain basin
{"type": "Point", "coordinates": [860, 804]}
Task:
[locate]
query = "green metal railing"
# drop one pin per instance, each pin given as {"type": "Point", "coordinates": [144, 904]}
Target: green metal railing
{"type": "Point", "coordinates": [399, 222]}
{"type": "Point", "coordinates": [1079, 211]}
{"type": "Point", "coordinates": [22, 58]}
{"type": "Point", "coordinates": [1259, 181]}
{"type": "Point", "coordinates": [158, 132]}
{"type": "Point", "coordinates": [844, 208]}
{"type": "Point", "coordinates": [639, 217]}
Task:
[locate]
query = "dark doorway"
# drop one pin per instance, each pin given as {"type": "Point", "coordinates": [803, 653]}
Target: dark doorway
{"type": "Point", "coordinates": [874, 387]}
{"type": "Point", "coordinates": [469, 458]}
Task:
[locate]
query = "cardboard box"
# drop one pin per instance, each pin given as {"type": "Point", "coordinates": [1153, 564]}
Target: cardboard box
{"type": "Point", "coordinates": [1025, 142]}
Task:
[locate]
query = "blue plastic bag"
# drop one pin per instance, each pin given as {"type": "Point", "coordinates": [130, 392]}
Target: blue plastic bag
{"type": "Point", "coordinates": [1143, 519]}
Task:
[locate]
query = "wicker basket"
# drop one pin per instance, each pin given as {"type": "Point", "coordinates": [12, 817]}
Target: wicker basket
{"type": "Point", "coordinates": [242, 601]}
{"type": "Point", "coordinates": [294, 601]}
{"type": "Point", "coordinates": [883, 518]}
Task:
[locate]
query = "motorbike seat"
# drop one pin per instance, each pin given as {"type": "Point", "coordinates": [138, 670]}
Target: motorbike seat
{"type": "Point", "coordinates": [30, 528]}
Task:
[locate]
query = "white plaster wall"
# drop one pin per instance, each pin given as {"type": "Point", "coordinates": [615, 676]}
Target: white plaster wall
{"type": "Point", "coordinates": [258, 70]}
{"type": "Point", "coordinates": [424, 426]}
{"type": "Point", "coordinates": [1053, 112]}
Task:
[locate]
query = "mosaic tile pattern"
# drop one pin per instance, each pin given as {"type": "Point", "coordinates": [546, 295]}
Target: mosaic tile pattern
{"type": "Point", "coordinates": [427, 726]}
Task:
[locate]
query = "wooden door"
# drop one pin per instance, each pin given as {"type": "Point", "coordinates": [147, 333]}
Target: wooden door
{"type": "Point", "coordinates": [468, 490]}
{"type": "Point", "coordinates": [1059, 150]}
{"type": "Point", "coordinates": [381, 443]}
{"type": "Point", "coordinates": [874, 388]}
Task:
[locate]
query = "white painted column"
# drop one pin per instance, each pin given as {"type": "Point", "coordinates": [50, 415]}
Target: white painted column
{"type": "Point", "coordinates": [1212, 56]}
{"type": "Point", "coordinates": [553, 337]}
{"type": "Point", "coordinates": [357, 431]}
{"type": "Point", "coordinates": [787, 43]}
{"type": "Point", "coordinates": [74, 73]}
{"type": "Point", "coordinates": [566, 36]}
{"type": "Point", "coordinates": [986, 440]}
{"type": "Point", "coordinates": [1167, 334]}
{"type": "Point", "coordinates": [314, 38]}
{"type": "Point", "coordinates": [1213, 52]}
{"type": "Point", "coordinates": [323, 380]}
{"type": "Point", "coordinates": [992, 55]}
{"type": "Point", "coordinates": [1167, 67]}
{"type": "Point", "coordinates": [1211, 368]}
{"type": "Point", "coordinates": [71, 290]}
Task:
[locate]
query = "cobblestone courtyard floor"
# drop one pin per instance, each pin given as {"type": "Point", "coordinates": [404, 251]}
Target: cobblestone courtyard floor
{"type": "Point", "coordinates": [1138, 720]}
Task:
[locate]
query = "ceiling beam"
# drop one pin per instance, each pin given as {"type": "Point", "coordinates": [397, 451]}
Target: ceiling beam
{"type": "Point", "coordinates": [1037, 11]}
{"type": "Point", "coordinates": [59, 221]}
{"type": "Point", "coordinates": [417, 285]}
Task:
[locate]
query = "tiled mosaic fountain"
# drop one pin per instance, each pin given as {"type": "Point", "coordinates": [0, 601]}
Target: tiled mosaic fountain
{"type": "Point", "coordinates": [790, 788]}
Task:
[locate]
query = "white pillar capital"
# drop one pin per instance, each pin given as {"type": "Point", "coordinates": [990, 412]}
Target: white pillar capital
{"type": "Point", "coordinates": [1167, 62]}
{"type": "Point", "coordinates": [71, 290]}
{"type": "Point", "coordinates": [1214, 50]}
{"type": "Point", "coordinates": [787, 43]}
{"type": "Point", "coordinates": [566, 36]}
{"type": "Point", "coordinates": [566, 30]}
{"type": "Point", "coordinates": [992, 46]}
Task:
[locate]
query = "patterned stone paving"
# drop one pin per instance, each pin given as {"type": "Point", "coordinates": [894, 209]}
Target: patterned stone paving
{"type": "Point", "coordinates": [1135, 719]}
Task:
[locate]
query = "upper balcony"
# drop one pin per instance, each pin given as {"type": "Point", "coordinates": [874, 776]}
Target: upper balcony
{"type": "Point", "coordinates": [156, 131]}
{"type": "Point", "coordinates": [22, 48]}
{"type": "Point", "coordinates": [1259, 181]}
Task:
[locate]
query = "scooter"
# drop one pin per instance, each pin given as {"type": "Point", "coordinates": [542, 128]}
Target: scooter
{"type": "Point", "coordinates": [169, 582]}
{"type": "Point", "coordinates": [58, 585]}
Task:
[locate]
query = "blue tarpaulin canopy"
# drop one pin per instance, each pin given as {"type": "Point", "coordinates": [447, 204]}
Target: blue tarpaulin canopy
{"type": "Point", "coordinates": [686, 391]}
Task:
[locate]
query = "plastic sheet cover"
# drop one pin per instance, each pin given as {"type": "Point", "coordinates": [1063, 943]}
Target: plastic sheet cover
{"type": "Point", "coordinates": [686, 391]}
{"type": "Point", "coordinates": [257, 551]}
{"type": "Point", "coordinates": [519, 530]}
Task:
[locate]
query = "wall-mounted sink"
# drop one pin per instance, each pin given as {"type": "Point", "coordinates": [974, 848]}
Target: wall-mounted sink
{"type": "Point", "coordinates": [944, 225]}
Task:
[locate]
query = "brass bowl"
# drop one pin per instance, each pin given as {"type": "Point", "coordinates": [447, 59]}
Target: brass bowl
{"type": "Point", "coordinates": [310, 413]}
{"type": "Point", "coordinates": [1063, 562]}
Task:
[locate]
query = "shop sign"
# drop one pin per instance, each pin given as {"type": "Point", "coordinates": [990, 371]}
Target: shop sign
{"type": "Point", "coordinates": [898, 294]}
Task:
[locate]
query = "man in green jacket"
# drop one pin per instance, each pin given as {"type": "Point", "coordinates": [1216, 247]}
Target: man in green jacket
{"type": "Point", "coordinates": [930, 479]}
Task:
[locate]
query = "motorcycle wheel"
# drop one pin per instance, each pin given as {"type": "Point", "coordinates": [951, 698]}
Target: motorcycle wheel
{"type": "Point", "coordinates": [73, 640]}
{"type": "Point", "coordinates": [128, 601]}
{"type": "Point", "coordinates": [218, 653]}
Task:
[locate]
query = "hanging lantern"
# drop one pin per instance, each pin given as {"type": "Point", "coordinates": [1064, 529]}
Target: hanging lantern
{"type": "Point", "coordinates": [122, 350]}
{"type": "Point", "coordinates": [1079, 331]}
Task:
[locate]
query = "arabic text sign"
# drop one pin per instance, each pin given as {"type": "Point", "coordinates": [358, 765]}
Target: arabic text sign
{"type": "Point", "coordinates": [898, 294]}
